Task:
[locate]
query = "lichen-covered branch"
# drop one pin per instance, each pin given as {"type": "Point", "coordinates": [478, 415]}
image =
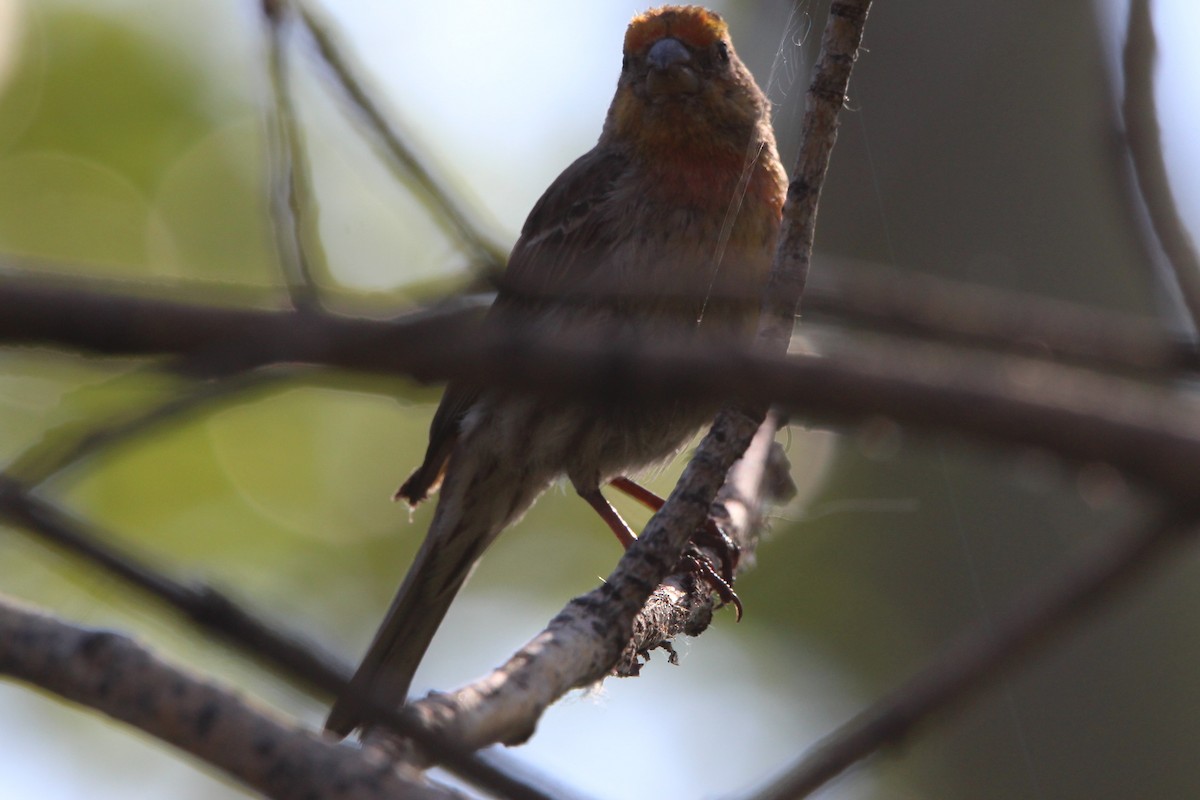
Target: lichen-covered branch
{"type": "Point", "coordinates": [576, 648]}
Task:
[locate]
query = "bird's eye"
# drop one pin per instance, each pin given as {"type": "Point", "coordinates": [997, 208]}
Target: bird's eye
{"type": "Point", "coordinates": [723, 52]}
{"type": "Point", "coordinates": [624, 63]}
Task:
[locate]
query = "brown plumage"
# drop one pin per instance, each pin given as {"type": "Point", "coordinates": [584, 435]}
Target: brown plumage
{"type": "Point", "coordinates": [664, 230]}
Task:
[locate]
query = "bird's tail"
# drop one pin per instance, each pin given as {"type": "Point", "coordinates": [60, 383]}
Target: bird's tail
{"type": "Point", "coordinates": [479, 498]}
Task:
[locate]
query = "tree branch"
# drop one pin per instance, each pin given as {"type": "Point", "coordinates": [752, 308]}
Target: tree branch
{"type": "Point", "coordinates": [823, 102]}
{"type": "Point", "coordinates": [111, 319]}
{"type": "Point", "coordinates": [203, 605]}
{"type": "Point", "coordinates": [289, 174]}
{"type": "Point", "coordinates": [683, 603]}
{"type": "Point", "coordinates": [110, 673]}
{"type": "Point", "coordinates": [121, 319]}
{"type": "Point", "coordinates": [402, 153]}
{"type": "Point", "coordinates": [576, 649]}
{"type": "Point", "coordinates": [1150, 432]}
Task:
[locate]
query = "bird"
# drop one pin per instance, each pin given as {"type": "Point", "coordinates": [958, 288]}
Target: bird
{"type": "Point", "coordinates": [664, 231]}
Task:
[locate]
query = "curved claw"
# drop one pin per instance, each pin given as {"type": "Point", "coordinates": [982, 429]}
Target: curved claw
{"type": "Point", "coordinates": [704, 568]}
{"type": "Point", "coordinates": [712, 536]}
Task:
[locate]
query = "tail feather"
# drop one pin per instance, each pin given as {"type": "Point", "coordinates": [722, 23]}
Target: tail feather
{"type": "Point", "coordinates": [423, 482]}
{"type": "Point", "coordinates": [477, 502]}
{"type": "Point", "coordinates": [427, 478]}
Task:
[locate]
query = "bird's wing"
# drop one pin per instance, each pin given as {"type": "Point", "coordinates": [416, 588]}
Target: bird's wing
{"type": "Point", "coordinates": [563, 240]}
{"type": "Point", "coordinates": [568, 233]}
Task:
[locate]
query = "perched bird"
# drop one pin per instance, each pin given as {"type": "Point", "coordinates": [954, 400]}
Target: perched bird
{"type": "Point", "coordinates": [664, 231]}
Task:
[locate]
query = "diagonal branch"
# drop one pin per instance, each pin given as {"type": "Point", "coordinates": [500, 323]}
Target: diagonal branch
{"type": "Point", "coordinates": [971, 663]}
{"type": "Point", "coordinates": [110, 673]}
{"type": "Point", "coordinates": [397, 144]}
{"type": "Point", "coordinates": [70, 444]}
{"type": "Point", "coordinates": [290, 655]}
{"type": "Point", "coordinates": [505, 705]}
{"type": "Point", "coordinates": [203, 605]}
{"type": "Point", "coordinates": [683, 603]}
{"type": "Point", "coordinates": [290, 180]}
{"type": "Point", "coordinates": [823, 103]}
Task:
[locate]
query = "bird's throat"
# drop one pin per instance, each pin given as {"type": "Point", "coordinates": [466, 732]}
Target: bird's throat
{"type": "Point", "coordinates": [712, 179]}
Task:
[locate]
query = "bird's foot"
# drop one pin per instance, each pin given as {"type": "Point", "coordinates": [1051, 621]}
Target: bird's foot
{"type": "Point", "coordinates": [718, 573]}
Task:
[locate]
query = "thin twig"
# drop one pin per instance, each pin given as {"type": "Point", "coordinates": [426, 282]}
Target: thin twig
{"type": "Point", "coordinates": [1140, 114]}
{"type": "Point", "coordinates": [398, 145]}
{"type": "Point", "coordinates": [52, 455]}
{"type": "Point", "coordinates": [823, 104]}
{"type": "Point", "coordinates": [972, 662]}
{"type": "Point", "coordinates": [292, 209]}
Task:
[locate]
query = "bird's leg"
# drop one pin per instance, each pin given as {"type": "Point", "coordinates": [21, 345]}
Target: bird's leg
{"type": "Point", "coordinates": [709, 535]}
{"type": "Point", "coordinates": [638, 492]}
{"type": "Point", "coordinates": [619, 527]}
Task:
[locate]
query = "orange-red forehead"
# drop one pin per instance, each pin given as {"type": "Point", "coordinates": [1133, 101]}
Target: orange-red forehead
{"type": "Point", "coordinates": [692, 25]}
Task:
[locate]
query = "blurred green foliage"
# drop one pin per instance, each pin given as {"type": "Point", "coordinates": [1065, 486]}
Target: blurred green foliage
{"type": "Point", "coordinates": [123, 159]}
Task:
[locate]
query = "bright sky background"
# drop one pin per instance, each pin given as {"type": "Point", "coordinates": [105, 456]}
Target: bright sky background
{"type": "Point", "coordinates": [542, 103]}
{"type": "Point", "coordinates": [1178, 25]}
{"type": "Point", "coordinates": [532, 101]}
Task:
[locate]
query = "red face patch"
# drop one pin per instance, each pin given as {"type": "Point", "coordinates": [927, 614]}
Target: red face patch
{"type": "Point", "coordinates": [694, 26]}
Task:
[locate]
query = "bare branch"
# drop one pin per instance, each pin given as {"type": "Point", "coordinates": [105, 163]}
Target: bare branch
{"type": "Point", "coordinates": [826, 95]}
{"type": "Point", "coordinates": [576, 648]}
{"type": "Point", "coordinates": [398, 145]}
{"type": "Point", "coordinates": [110, 673]}
{"type": "Point", "coordinates": [967, 667]}
{"type": "Point", "coordinates": [120, 320]}
{"type": "Point", "coordinates": [83, 316]}
{"type": "Point", "coordinates": [290, 181]}
{"type": "Point", "coordinates": [52, 455]}
{"type": "Point", "coordinates": [683, 604]}
{"type": "Point", "coordinates": [1147, 431]}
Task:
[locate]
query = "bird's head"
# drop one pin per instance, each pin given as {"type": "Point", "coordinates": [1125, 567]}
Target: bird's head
{"type": "Point", "coordinates": [682, 85]}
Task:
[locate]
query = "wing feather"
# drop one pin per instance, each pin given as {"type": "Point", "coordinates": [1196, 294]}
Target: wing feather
{"type": "Point", "coordinates": [563, 240]}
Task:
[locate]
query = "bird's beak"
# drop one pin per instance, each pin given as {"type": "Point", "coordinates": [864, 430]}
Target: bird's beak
{"type": "Point", "coordinates": [670, 69]}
